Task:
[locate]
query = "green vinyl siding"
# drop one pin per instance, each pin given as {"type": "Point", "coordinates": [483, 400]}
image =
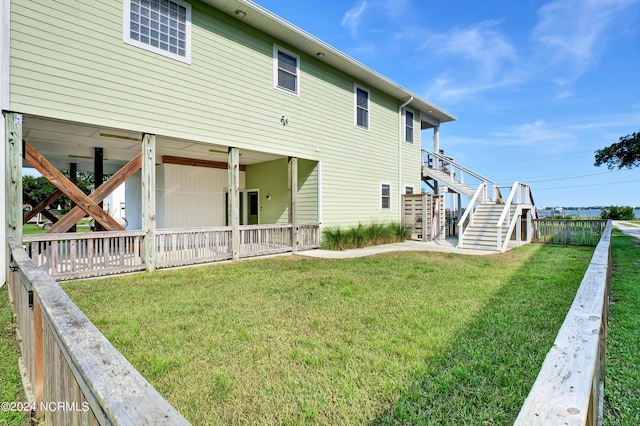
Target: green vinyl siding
{"type": "Point", "coordinates": [69, 62]}
{"type": "Point", "coordinates": [271, 178]}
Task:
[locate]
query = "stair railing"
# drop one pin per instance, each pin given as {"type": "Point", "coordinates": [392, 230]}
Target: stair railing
{"type": "Point", "coordinates": [447, 165]}
{"type": "Point", "coordinates": [480, 196]}
{"type": "Point", "coordinates": [519, 195]}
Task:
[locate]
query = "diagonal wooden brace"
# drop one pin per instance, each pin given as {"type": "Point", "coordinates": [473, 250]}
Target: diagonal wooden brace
{"type": "Point", "coordinates": [36, 160]}
{"type": "Point", "coordinates": [99, 194]}
{"type": "Point", "coordinates": [42, 207]}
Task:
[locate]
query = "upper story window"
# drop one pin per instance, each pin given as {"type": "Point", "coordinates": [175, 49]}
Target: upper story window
{"type": "Point", "coordinates": [160, 26]}
{"type": "Point", "coordinates": [408, 126]}
{"type": "Point", "coordinates": [286, 70]}
{"type": "Point", "coordinates": [361, 107]}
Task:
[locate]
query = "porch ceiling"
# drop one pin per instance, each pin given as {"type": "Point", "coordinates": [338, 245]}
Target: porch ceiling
{"type": "Point", "coordinates": [63, 143]}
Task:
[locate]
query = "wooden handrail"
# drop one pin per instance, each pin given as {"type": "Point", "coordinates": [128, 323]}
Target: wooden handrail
{"type": "Point", "coordinates": [482, 189]}
{"type": "Point", "coordinates": [569, 386]}
{"type": "Point", "coordinates": [81, 369]}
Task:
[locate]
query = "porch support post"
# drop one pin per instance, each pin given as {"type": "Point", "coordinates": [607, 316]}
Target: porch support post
{"type": "Point", "coordinates": [13, 183]}
{"type": "Point", "coordinates": [293, 201]}
{"type": "Point", "coordinates": [98, 173]}
{"type": "Point", "coordinates": [233, 205]}
{"type": "Point", "coordinates": [149, 200]}
{"type": "Point", "coordinates": [73, 177]}
{"type": "Point", "coordinates": [13, 137]}
{"type": "Point", "coordinates": [436, 160]}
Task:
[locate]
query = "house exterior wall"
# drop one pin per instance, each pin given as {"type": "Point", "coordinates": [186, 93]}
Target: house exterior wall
{"type": "Point", "coordinates": [185, 197]}
{"type": "Point", "coordinates": [271, 178]}
{"type": "Point", "coordinates": [69, 62]}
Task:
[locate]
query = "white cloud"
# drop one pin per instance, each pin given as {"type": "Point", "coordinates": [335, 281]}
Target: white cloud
{"type": "Point", "coordinates": [351, 19]}
{"type": "Point", "coordinates": [480, 58]}
{"type": "Point", "coordinates": [564, 94]}
{"type": "Point", "coordinates": [572, 32]}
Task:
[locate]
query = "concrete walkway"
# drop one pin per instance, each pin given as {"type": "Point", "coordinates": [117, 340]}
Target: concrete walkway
{"type": "Point", "coordinates": [445, 246]}
{"type": "Point", "coordinates": [629, 228]}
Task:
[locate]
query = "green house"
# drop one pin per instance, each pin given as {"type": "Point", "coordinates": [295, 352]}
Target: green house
{"type": "Point", "coordinates": [240, 118]}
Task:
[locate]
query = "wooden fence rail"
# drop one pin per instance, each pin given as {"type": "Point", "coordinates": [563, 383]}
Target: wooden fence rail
{"type": "Point", "coordinates": [86, 254]}
{"type": "Point", "coordinates": [185, 246]}
{"type": "Point", "coordinates": [568, 232]}
{"type": "Point", "coordinates": [569, 387]}
{"type": "Point", "coordinates": [77, 376]}
{"type": "Point", "coordinates": [308, 236]}
{"type": "Point", "coordinates": [259, 240]}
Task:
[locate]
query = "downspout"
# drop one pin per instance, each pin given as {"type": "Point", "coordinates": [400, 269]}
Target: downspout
{"type": "Point", "coordinates": [400, 141]}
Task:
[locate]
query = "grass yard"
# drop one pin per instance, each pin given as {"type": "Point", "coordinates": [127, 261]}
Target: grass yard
{"type": "Point", "coordinates": [411, 338]}
{"type": "Point", "coordinates": [10, 381]}
{"type": "Point", "coordinates": [622, 390]}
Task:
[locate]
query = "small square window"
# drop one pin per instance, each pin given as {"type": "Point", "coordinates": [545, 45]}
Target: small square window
{"type": "Point", "coordinates": [408, 126]}
{"type": "Point", "coordinates": [160, 26]}
{"type": "Point", "coordinates": [408, 189]}
{"type": "Point", "coordinates": [385, 196]}
{"type": "Point", "coordinates": [361, 107]}
{"type": "Point", "coordinates": [286, 70]}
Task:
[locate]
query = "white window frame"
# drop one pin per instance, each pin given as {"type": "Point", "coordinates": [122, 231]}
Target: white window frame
{"type": "Point", "coordinates": [407, 186]}
{"type": "Point", "coordinates": [128, 40]}
{"type": "Point", "coordinates": [382, 196]}
{"type": "Point", "coordinates": [357, 87]}
{"type": "Point", "coordinates": [277, 49]}
{"type": "Point", "coordinates": [407, 126]}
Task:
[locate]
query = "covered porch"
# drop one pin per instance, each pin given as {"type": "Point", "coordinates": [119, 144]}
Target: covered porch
{"type": "Point", "coordinates": [186, 202]}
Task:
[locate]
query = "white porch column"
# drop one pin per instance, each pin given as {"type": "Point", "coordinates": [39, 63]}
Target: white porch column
{"type": "Point", "coordinates": [293, 201]}
{"type": "Point", "coordinates": [436, 143]}
{"type": "Point", "coordinates": [149, 200]}
{"type": "Point", "coordinates": [233, 204]}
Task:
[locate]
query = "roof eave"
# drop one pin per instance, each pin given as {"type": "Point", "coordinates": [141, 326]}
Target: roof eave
{"type": "Point", "coordinates": [272, 24]}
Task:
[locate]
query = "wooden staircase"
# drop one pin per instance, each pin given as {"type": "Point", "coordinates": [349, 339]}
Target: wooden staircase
{"type": "Point", "coordinates": [490, 219]}
{"type": "Point", "coordinates": [447, 180]}
{"type": "Point", "coordinates": [482, 232]}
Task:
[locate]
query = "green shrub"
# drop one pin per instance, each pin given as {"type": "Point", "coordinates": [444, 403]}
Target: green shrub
{"type": "Point", "coordinates": [364, 235]}
{"type": "Point", "coordinates": [617, 213]}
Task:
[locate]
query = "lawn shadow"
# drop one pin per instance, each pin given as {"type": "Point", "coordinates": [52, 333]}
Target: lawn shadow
{"type": "Point", "coordinates": [483, 376]}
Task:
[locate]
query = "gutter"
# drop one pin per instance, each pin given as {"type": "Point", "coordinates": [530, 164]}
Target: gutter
{"type": "Point", "coordinates": [400, 141]}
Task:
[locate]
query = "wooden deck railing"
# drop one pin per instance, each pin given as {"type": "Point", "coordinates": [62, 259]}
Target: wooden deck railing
{"type": "Point", "coordinates": [185, 246]}
{"type": "Point", "coordinates": [86, 254]}
{"type": "Point", "coordinates": [569, 387]}
{"type": "Point", "coordinates": [568, 232]}
{"type": "Point", "coordinates": [77, 376]}
{"type": "Point", "coordinates": [308, 236]}
{"type": "Point", "coordinates": [260, 240]}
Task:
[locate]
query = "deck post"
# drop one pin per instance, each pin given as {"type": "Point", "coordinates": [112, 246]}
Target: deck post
{"type": "Point", "coordinates": [233, 206]}
{"type": "Point", "coordinates": [293, 201]}
{"type": "Point", "coordinates": [13, 184]}
{"type": "Point", "coordinates": [149, 200]}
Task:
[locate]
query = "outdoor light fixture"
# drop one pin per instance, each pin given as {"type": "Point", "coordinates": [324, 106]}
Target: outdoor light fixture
{"type": "Point", "coordinates": [124, 138]}
{"type": "Point", "coordinates": [320, 55]}
{"type": "Point", "coordinates": [240, 13]}
{"type": "Point", "coordinates": [268, 197]}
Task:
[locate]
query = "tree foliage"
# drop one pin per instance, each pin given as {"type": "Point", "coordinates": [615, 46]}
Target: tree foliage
{"type": "Point", "coordinates": [625, 153]}
{"type": "Point", "coordinates": [39, 188]}
{"type": "Point", "coordinates": [617, 213]}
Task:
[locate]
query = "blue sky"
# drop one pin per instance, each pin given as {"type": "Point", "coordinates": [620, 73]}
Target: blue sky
{"type": "Point", "coordinates": [536, 86]}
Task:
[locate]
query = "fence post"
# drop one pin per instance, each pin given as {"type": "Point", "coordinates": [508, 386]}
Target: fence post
{"type": "Point", "coordinates": [38, 351]}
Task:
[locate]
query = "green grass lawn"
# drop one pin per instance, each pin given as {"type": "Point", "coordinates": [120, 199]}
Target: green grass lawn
{"type": "Point", "coordinates": [10, 382]}
{"type": "Point", "coordinates": [404, 338]}
{"type": "Point", "coordinates": [622, 389]}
